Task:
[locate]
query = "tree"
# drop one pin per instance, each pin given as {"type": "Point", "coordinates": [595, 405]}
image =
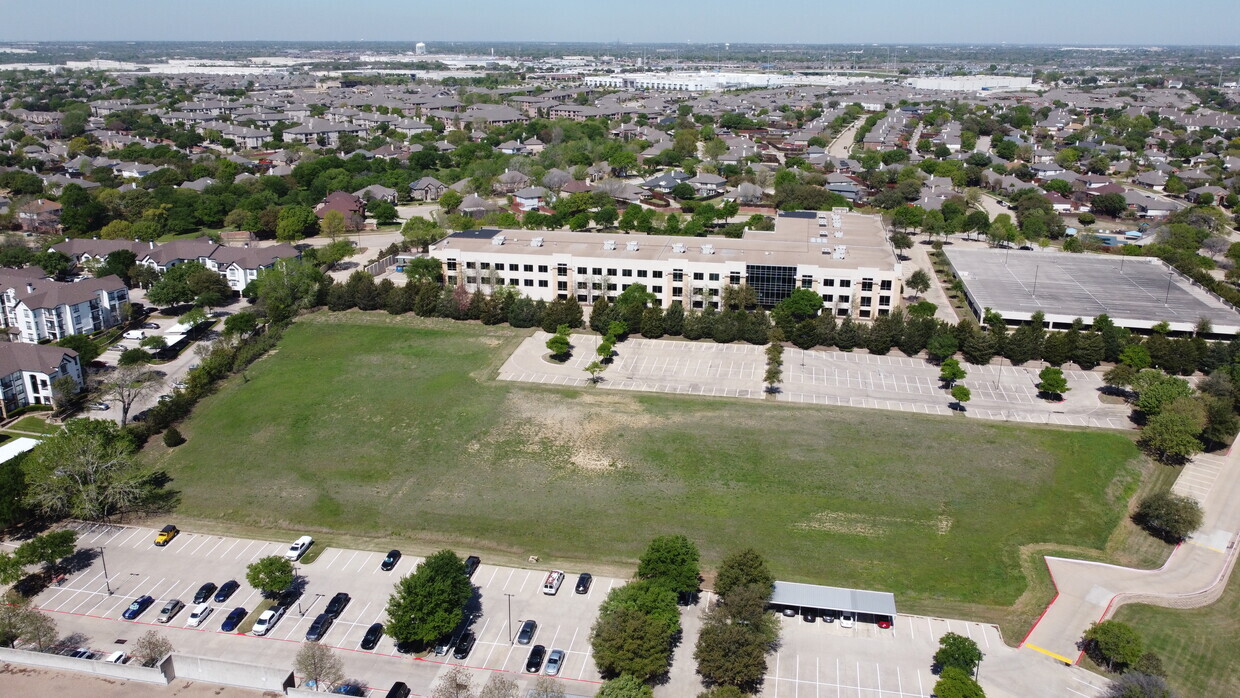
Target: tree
{"type": "Point", "coordinates": [48, 549]}
{"type": "Point", "coordinates": [450, 200]}
{"type": "Point", "coordinates": [133, 357]}
{"type": "Point", "coordinates": [86, 470]}
{"type": "Point", "coordinates": [287, 287]}
{"type": "Point", "coordinates": [1051, 381]}
{"type": "Point", "coordinates": [52, 263]}
{"type": "Point", "coordinates": [559, 345]}
{"type": "Point", "coordinates": [430, 602]}
{"type": "Point", "coordinates": [594, 369]}
{"type": "Point", "coordinates": [295, 223]}
{"type": "Point", "coordinates": [961, 395]}
{"type": "Point", "coordinates": [150, 648]}
{"type": "Point", "coordinates": [1112, 205]}
{"type": "Point", "coordinates": [1156, 389]}
{"type": "Point", "coordinates": [1172, 437]}
{"type": "Point", "coordinates": [742, 568]}
{"type": "Point", "coordinates": [421, 232]}
{"type": "Point", "coordinates": [774, 374]}
{"type": "Point", "coordinates": [332, 224]}
{"type": "Point", "coordinates": [240, 324]}
{"type": "Point", "coordinates": [23, 623]}
{"type": "Point", "coordinates": [270, 575]}
{"type": "Point", "coordinates": [671, 561]}
{"type": "Point", "coordinates": [318, 665]}
{"type": "Point", "coordinates": [628, 641]}
{"type": "Point", "coordinates": [1134, 684]}
{"type": "Point", "coordinates": [958, 651]}
{"type": "Point", "coordinates": [951, 371]}
{"type": "Point", "coordinates": [901, 242]}
{"type": "Point", "coordinates": [624, 686]}
{"type": "Point", "coordinates": [729, 654]}
{"type": "Point", "coordinates": [955, 683]}
{"type": "Point", "coordinates": [128, 385]}
{"type": "Point", "coordinates": [1114, 644]}
{"type": "Point", "coordinates": [919, 281]}
{"type": "Point", "coordinates": [383, 211]}
{"type": "Point", "coordinates": [942, 345]}
{"type": "Point", "coordinates": [1168, 515]}
{"type": "Point", "coordinates": [456, 682]}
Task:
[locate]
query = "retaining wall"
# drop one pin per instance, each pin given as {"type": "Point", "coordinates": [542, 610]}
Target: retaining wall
{"type": "Point", "coordinates": [161, 673]}
{"type": "Point", "coordinates": [222, 671]}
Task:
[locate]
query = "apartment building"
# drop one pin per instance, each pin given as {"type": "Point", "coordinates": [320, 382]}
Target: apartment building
{"type": "Point", "coordinates": [28, 370]}
{"type": "Point", "coordinates": [36, 309]}
{"type": "Point", "coordinates": [846, 257]}
{"type": "Point", "coordinates": [238, 265]}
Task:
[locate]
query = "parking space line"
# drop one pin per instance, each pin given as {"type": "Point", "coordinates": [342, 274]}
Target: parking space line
{"type": "Point", "coordinates": [136, 531]}
{"type": "Point", "coordinates": [205, 540]}
{"type": "Point", "coordinates": [241, 554]}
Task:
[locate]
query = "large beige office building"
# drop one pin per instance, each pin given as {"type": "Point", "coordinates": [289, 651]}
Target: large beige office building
{"type": "Point", "coordinates": [846, 257]}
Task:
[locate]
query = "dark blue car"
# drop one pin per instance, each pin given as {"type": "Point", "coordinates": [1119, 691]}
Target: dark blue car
{"type": "Point", "coordinates": [233, 620]}
{"type": "Point", "coordinates": [136, 608]}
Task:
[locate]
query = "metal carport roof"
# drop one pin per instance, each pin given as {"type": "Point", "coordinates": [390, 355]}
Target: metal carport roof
{"type": "Point", "coordinates": [879, 603]}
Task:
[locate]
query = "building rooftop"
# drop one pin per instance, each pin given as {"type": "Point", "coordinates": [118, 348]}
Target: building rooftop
{"type": "Point", "coordinates": [1135, 292]}
{"type": "Point", "coordinates": [800, 237]}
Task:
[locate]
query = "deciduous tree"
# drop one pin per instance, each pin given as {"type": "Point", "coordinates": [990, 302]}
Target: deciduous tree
{"type": "Point", "coordinates": [318, 664]}
{"type": "Point", "coordinates": [87, 470]}
{"type": "Point", "coordinates": [430, 602]}
{"type": "Point", "coordinates": [1169, 515]}
{"type": "Point", "coordinates": [958, 651]}
{"type": "Point", "coordinates": [1114, 644]}
{"type": "Point", "coordinates": [270, 575]}
{"type": "Point", "coordinates": [150, 648]}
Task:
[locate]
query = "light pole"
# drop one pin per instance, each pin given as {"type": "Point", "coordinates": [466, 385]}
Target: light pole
{"type": "Point", "coordinates": [1167, 298]}
{"type": "Point", "coordinates": [104, 560]}
{"type": "Point", "coordinates": [510, 633]}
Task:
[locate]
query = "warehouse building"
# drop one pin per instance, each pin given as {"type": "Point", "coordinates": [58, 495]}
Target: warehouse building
{"type": "Point", "coordinates": [846, 257]}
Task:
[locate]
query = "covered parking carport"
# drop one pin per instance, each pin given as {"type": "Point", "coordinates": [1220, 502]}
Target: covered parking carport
{"type": "Point", "coordinates": [877, 605]}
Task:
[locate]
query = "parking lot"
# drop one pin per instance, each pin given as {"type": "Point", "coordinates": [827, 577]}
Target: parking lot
{"type": "Point", "coordinates": [852, 379]}
{"type": "Point", "coordinates": [136, 567]}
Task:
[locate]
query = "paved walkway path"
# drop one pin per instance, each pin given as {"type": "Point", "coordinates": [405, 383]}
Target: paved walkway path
{"type": "Point", "coordinates": [1195, 574]}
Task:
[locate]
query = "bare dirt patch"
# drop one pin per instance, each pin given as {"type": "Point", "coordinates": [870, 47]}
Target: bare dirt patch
{"type": "Point", "coordinates": [576, 431]}
{"type": "Point", "coordinates": [866, 525]}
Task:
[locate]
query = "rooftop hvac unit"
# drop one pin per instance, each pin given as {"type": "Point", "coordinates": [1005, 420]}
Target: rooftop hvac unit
{"type": "Point", "coordinates": [498, 240]}
{"type": "Point", "coordinates": [839, 233]}
{"type": "Point", "coordinates": [609, 244]}
{"type": "Point", "coordinates": [708, 249]}
{"type": "Point", "coordinates": [631, 245]}
{"type": "Point", "coordinates": [678, 247]}
{"type": "Point", "coordinates": [536, 242]}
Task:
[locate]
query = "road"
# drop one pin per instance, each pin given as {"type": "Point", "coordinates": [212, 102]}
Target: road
{"type": "Point", "coordinates": [1193, 576]}
{"type": "Point", "coordinates": [843, 143]}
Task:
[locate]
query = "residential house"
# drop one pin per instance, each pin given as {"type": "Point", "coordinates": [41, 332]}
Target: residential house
{"type": "Point", "coordinates": [376, 192]}
{"type": "Point", "coordinates": [28, 372]}
{"type": "Point", "coordinates": [707, 184]}
{"type": "Point", "coordinates": [39, 216]}
{"type": "Point", "coordinates": [351, 206]}
{"type": "Point", "coordinates": [510, 181]}
{"type": "Point", "coordinates": [427, 189]}
{"type": "Point", "coordinates": [530, 198]}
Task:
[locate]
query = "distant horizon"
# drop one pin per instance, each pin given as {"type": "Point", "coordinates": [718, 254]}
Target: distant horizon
{"type": "Point", "coordinates": [1104, 23]}
{"type": "Point", "coordinates": [537, 42]}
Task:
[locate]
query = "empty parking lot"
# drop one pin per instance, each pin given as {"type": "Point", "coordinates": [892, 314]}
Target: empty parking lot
{"type": "Point", "coordinates": [1000, 392]}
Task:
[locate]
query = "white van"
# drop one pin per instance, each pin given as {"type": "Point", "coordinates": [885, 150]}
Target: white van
{"type": "Point", "coordinates": [115, 658]}
{"type": "Point", "coordinates": [552, 583]}
{"type": "Point", "coordinates": [299, 548]}
{"type": "Point", "coordinates": [201, 611]}
{"type": "Point", "coordinates": [135, 334]}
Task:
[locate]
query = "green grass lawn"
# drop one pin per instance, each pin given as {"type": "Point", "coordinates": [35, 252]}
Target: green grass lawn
{"type": "Point", "coordinates": [34, 425]}
{"type": "Point", "coordinates": [1198, 646]}
{"type": "Point", "coordinates": [393, 429]}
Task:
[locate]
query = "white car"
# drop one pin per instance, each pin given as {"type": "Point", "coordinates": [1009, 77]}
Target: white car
{"type": "Point", "coordinates": [552, 583]}
{"type": "Point", "coordinates": [100, 406]}
{"type": "Point", "coordinates": [199, 614]}
{"type": "Point", "coordinates": [180, 385]}
{"type": "Point", "coordinates": [299, 548]}
{"type": "Point", "coordinates": [846, 620]}
{"type": "Point", "coordinates": [268, 620]}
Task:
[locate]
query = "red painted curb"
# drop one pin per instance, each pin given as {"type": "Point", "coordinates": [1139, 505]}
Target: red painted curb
{"type": "Point", "coordinates": [1048, 606]}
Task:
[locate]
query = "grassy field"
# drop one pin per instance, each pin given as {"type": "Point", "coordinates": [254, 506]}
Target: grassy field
{"type": "Point", "coordinates": [392, 429]}
{"type": "Point", "coordinates": [1198, 646]}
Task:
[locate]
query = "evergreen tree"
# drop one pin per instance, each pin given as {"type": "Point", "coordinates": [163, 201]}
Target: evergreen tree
{"type": "Point", "coordinates": [1112, 337]}
{"type": "Point", "coordinates": [848, 336]}
{"type": "Point", "coordinates": [476, 304]}
{"type": "Point", "coordinates": [600, 315]}
{"type": "Point", "coordinates": [1019, 347]}
{"type": "Point", "coordinates": [427, 299]}
{"type": "Point", "coordinates": [693, 326]}
{"type": "Point", "coordinates": [978, 348]}
{"type": "Point", "coordinates": [825, 327]}
{"type": "Point", "coordinates": [1055, 349]}
{"type": "Point", "coordinates": [917, 334]}
{"type": "Point", "coordinates": [652, 322]}
{"type": "Point", "coordinates": [757, 327]}
{"type": "Point", "coordinates": [674, 319]}
{"type": "Point", "coordinates": [398, 301]}
{"type": "Point", "coordinates": [805, 334]}
{"type": "Point", "coordinates": [339, 298]}
{"type": "Point", "coordinates": [1090, 350]}
{"type": "Point", "coordinates": [523, 313]}
{"type": "Point", "coordinates": [884, 334]}
{"type": "Point", "coordinates": [727, 326]}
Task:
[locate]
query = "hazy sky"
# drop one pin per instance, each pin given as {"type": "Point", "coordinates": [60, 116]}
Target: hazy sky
{"type": "Point", "coordinates": [1082, 22]}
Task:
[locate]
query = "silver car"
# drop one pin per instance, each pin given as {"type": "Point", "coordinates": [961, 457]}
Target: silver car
{"type": "Point", "coordinates": [170, 610]}
{"type": "Point", "coordinates": [268, 620]}
{"type": "Point", "coordinates": [555, 660]}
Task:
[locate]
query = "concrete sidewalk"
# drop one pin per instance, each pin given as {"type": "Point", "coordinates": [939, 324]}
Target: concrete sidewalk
{"type": "Point", "coordinates": [1195, 574]}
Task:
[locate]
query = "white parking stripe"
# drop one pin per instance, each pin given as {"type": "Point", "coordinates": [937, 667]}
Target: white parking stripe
{"type": "Point", "coordinates": [241, 554]}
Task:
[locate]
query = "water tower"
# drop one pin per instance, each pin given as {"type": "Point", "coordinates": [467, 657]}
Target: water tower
{"type": "Point", "coordinates": [419, 49]}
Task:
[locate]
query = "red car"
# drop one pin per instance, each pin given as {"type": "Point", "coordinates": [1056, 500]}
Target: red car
{"type": "Point", "coordinates": [884, 624]}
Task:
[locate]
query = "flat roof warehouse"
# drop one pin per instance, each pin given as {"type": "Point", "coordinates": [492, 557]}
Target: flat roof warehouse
{"type": "Point", "coordinates": [1135, 292]}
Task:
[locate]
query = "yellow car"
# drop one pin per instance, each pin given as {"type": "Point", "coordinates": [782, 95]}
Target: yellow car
{"type": "Point", "coordinates": [166, 535]}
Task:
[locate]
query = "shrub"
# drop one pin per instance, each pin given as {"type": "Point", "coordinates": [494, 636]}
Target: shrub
{"type": "Point", "coordinates": [173, 438]}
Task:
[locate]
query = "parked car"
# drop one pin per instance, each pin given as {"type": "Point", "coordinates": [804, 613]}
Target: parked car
{"type": "Point", "coordinates": [884, 624]}
{"type": "Point", "coordinates": [471, 565]}
{"type": "Point", "coordinates": [336, 605]}
{"type": "Point", "coordinates": [150, 326]}
{"type": "Point", "coordinates": [828, 616]}
{"type": "Point", "coordinates": [204, 592]}
{"type": "Point", "coordinates": [390, 561]}
{"type": "Point", "coordinates": [464, 645]}
{"type": "Point", "coordinates": [136, 608]}
{"type": "Point", "coordinates": [166, 534]}
{"type": "Point", "coordinates": [234, 619]}
{"type": "Point", "coordinates": [169, 611]}
{"type": "Point", "coordinates": [526, 634]}
{"type": "Point", "coordinates": [319, 627]}
{"type": "Point", "coordinates": [226, 590]}
{"type": "Point", "coordinates": [552, 583]}
{"type": "Point", "coordinates": [268, 619]}
{"type": "Point", "coordinates": [398, 690]}
{"type": "Point", "coordinates": [117, 657]}
{"type": "Point", "coordinates": [442, 645]}
{"type": "Point", "coordinates": [789, 612]}
{"type": "Point", "coordinates": [141, 416]}
{"type": "Point", "coordinates": [165, 397]}
{"type": "Point", "coordinates": [180, 385]}
{"type": "Point", "coordinates": [846, 620]}
{"type": "Point", "coordinates": [349, 689]}
{"type": "Point", "coordinates": [100, 406]}
{"type": "Point", "coordinates": [299, 548]}
{"type": "Point", "coordinates": [555, 660]}
{"type": "Point", "coordinates": [198, 615]}
{"type": "Point", "coordinates": [82, 653]}
{"type": "Point", "coordinates": [583, 583]}
{"type": "Point", "coordinates": [533, 664]}
{"type": "Point", "coordinates": [372, 636]}
{"type": "Point", "coordinates": [809, 615]}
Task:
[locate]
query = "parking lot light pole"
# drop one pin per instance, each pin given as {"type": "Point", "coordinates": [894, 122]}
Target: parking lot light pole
{"type": "Point", "coordinates": [511, 636]}
{"type": "Point", "coordinates": [104, 560]}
